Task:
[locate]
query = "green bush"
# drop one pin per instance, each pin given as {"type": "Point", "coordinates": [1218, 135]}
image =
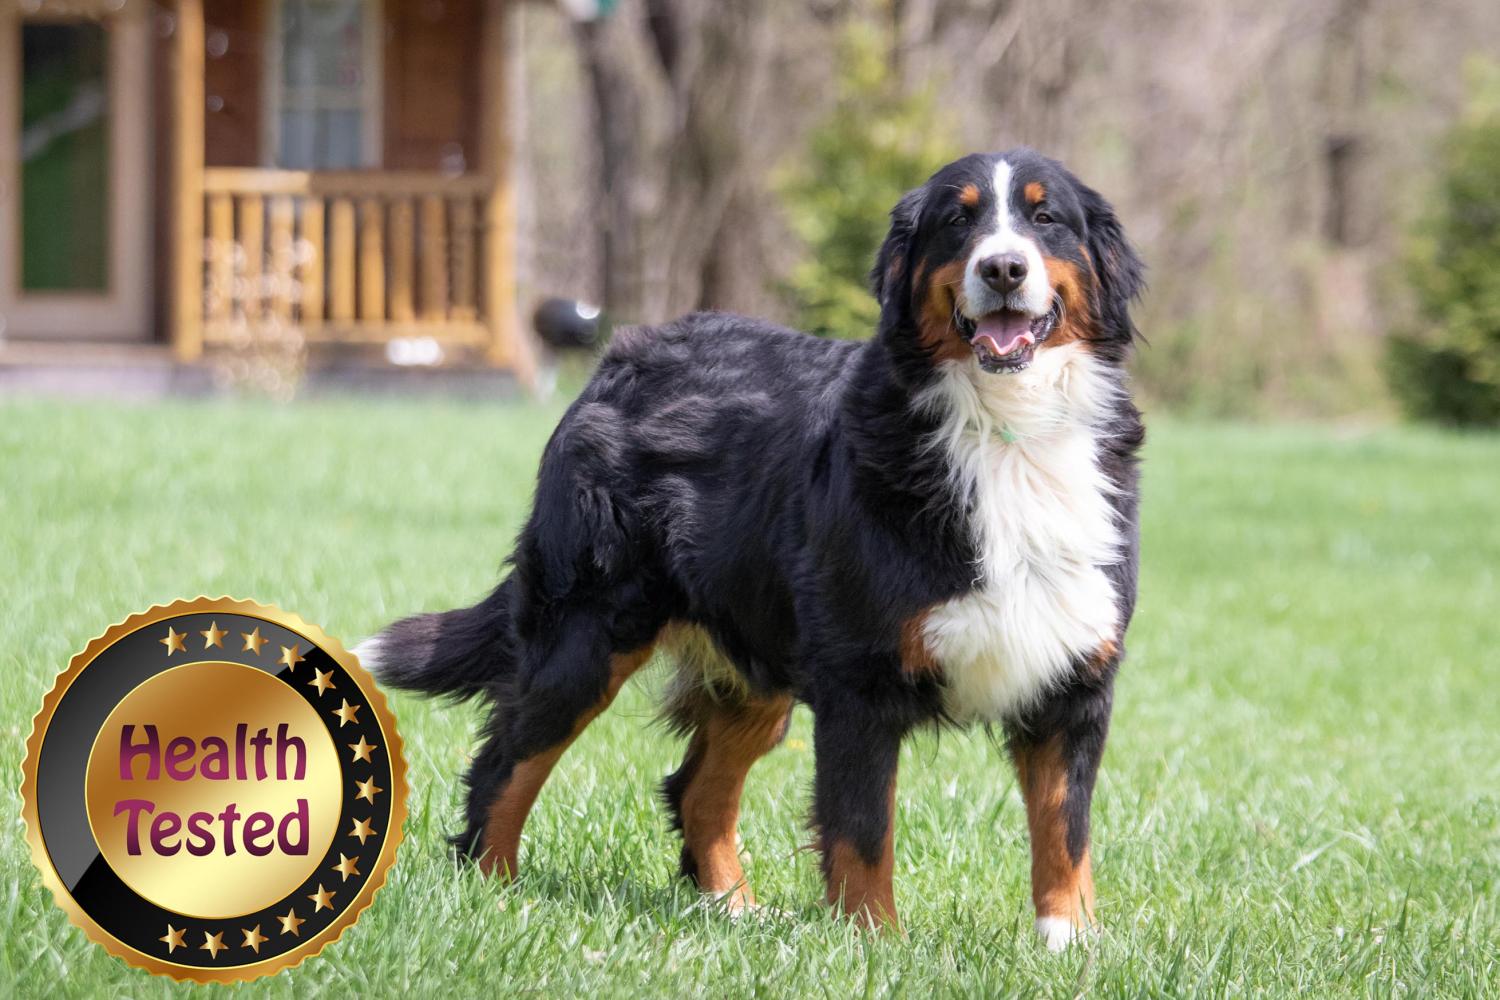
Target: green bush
{"type": "Point", "coordinates": [872, 147]}
{"type": "Point", "coordinates": [1448, 369]}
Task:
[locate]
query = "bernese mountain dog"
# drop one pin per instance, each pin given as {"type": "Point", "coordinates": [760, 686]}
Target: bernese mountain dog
{"type": "Point", "coordinates": [933, 526]}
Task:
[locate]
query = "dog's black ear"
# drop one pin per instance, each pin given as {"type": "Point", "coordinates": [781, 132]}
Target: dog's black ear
{"type": "Point", "coordinates": [1121, 273]}
{"type": "Point", "coordinates": [895, 253]}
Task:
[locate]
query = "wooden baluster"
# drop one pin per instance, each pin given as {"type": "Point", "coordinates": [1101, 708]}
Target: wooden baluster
{"type": "Point", "coordinates": [283, 260]}
{"type": "Point", "coordinates": [434, 251]}
{"type": "Point", "coordinates": [371, 260]}
{"type": "Point", "coordinates": [220, 289]}
{"type": "Point", "coordinates": [313, 262]}
{"type": "Point", "coordinates": [403, 260]}
{"type": "Point", "coordinates": [341, 261]}
{"type": "Point", "coordinates": [252, 226]}
{"type": "Point", "coordinates": [465, 235]}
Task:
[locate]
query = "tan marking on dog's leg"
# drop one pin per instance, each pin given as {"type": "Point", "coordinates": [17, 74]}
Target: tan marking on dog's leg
{"type": "Point", "coordinates": [513, 802]}
{"type": "Point", "coordinates": [1062, 890]}
{"type": "Point", "coordinates": [508, 811]}
{"type": "Point", "coordinates": [727, 743]}
{"type": "Point", "coordinates": [864, 890]}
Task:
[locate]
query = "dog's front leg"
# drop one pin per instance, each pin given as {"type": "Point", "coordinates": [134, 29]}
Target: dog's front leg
{"type": "Point", "coordinates": [1057, 756]}
{"type": "Point", "coordinates": [854, 808]}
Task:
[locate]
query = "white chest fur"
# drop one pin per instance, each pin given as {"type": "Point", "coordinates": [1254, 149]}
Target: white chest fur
{"type": "Point", "coordinates": [1024, 448]}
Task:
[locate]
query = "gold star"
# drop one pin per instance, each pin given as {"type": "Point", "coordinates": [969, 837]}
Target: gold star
{"type": "Point", "coordinates": [213, 636]}
{"type": "Point", "coordinates": [367, 790]}
{"type": "Point", "coordinates": [346, 864]}
{"type": "Point", "coordinates": [173, 641]}
{"type": "Point", "coordinates": [291, 922]}
{"type": "Point", "coordinates": [253, 641]}
{"type": "Point", "coordinates": [289, 657]}
{"type": "Point", "coordinates": [253, 938]}
{"type": "Point", "coordinates": [323, 898]}
{"type": "Point", "coordinates": [173, 939]}
{"type": "Point", "coordinates": [347, 713]}
{"type": "Point", "coordinates": [362, 830]}
{"type": "Point", "coordinates": [322, 681]}
{"type": "Point", "coordinates": [362, 750]}
{"type": "Point", "coordinates": [213, 944]}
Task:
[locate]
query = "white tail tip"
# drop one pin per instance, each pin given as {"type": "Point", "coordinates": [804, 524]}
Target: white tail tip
{"type": "Point", "coordinates": [368, 653]}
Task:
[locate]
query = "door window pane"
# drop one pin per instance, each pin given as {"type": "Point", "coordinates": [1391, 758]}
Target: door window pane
{"type": "Point", "coordinates": [323, 84]}
{"type": "Point", "coordinates": [64, 157]}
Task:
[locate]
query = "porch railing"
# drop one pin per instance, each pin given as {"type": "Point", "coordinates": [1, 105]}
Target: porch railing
{"type": "Point", "coordinates": [346, 257]}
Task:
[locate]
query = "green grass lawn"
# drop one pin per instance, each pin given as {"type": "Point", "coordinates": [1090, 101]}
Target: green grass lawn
{"type": "Point", "coordinates": [1301, 794]}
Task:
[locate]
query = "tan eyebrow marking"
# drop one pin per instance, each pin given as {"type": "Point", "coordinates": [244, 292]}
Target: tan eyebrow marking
{"type": "Point", "coordinates": [969, 195]}
{"type": "Point", "coordinates": [1034, 192]}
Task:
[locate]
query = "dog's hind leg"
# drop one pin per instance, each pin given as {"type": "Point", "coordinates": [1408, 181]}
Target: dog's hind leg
{"type": "Point", "coordinates": [571, 680]}
{"type": "Point", "coordinates": [703, 795]}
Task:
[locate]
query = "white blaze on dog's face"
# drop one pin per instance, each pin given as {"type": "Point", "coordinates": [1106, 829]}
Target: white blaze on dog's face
{"type": "Point", "coordinates": [1002, 245]}
{"type": "Point", "coordinates": [1007, 293]}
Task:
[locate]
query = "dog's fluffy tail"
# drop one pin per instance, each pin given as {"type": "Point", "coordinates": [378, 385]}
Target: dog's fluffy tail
{"type": "Point", "coordinates": [458, 653]}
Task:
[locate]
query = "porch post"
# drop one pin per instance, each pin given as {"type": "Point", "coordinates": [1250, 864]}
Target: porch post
{"type": "Point", "coordinates": [187, 181]}
{"type": "Point", "coordinates": [509, 344]}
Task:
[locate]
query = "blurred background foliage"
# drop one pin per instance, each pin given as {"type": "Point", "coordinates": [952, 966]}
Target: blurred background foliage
{"type": "Point", "coordinates": [859, 161]}
{"type": "Point", "coordinates": [1312, 196]}
{"type": "Point", "coordinates": [1448, 367]}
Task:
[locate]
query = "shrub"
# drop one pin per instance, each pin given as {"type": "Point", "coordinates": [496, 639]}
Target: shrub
{"type": "Point", "coordinates": [873, 146]}
{"type": "Point", "coordinates": [1448, 368]}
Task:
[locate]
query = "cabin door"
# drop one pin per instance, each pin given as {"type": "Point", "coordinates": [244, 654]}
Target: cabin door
{"type": "Point", "coordinates": [75, 170]}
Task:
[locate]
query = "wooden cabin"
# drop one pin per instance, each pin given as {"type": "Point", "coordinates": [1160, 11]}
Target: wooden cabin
{"type": "Point", "coordinates": [193, 173]}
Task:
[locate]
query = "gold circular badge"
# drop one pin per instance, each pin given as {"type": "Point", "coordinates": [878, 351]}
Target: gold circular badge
{"type": "Point", "coordinates": [214, 790]}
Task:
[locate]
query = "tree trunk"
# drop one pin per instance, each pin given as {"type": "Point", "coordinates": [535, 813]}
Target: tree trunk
{"type": "Point", "coordinates": [1345, 86]}
{"type": "Point", "coordinates": [617, 129]}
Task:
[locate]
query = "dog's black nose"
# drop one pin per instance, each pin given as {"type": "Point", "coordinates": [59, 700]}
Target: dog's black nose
{"type": "Point", "coordinates": [1003, 272]}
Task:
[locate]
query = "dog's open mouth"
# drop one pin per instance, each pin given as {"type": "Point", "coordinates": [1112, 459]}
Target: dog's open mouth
{"type": "Point", "coordinates": [1004, 342]}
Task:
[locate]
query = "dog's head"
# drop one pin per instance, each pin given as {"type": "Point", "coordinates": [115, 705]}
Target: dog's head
{"type": "Point", "coordinates": [1001, 255]}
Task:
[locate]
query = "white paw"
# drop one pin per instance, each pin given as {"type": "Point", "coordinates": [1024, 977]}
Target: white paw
{"type": "Point", "coordinates": [1057, 932]}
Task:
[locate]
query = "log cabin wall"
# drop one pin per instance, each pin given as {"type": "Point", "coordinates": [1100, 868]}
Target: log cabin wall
{"type": "Point", "coordinates": [432, 71]}
{"type": "Point", "coordinates": [235, 60]}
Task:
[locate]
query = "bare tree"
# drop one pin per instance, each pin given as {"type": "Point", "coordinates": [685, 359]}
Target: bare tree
{"type": "Point", "coordinates": [1344, 91]}
{"type": "Point", "coordinates": [618, 125]}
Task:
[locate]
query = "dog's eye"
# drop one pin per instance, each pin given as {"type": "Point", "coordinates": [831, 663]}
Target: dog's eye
{"type": "Point", "coordinates": [1042, 219]}
{"type": "Point", "coordinates": [961, 219]}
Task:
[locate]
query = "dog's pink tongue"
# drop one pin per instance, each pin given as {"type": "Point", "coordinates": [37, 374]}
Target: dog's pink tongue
{"type": "Point", "coordinates": [1004, 332]}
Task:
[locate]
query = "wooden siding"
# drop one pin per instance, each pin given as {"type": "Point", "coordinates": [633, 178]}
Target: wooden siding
{"type": "Point", "coordinates": [432, 68]}
{"type": "Point", "coordinates": [234, 43]}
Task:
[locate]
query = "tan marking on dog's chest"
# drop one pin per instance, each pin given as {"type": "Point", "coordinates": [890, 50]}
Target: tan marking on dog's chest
{"type": "Point", "coordinates": [917, 660]}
